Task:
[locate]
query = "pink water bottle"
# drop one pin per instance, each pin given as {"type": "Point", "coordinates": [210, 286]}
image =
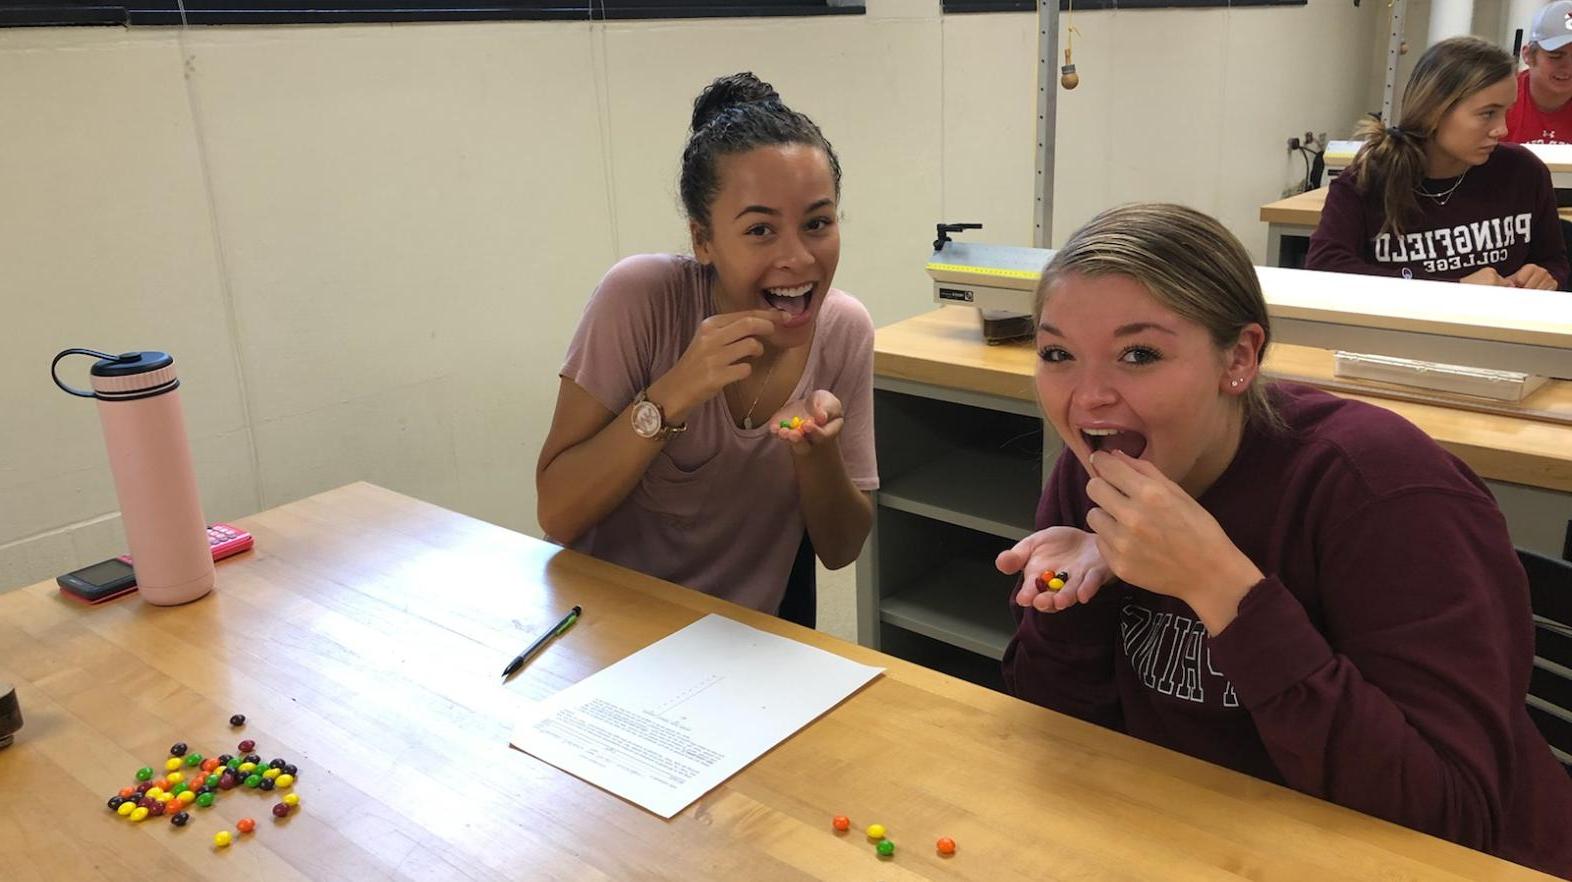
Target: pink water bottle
{"type": "Point", "coordinates": [145, 431]}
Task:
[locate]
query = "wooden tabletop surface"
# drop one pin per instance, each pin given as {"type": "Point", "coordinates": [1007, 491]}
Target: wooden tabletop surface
{"type": "Point", "coordinates": [1304, 209]}
{"type": "Point", "coordinates": [1556, 157]}
{"type": "Point", "coordinates": [1301, 209]}
{"type": "Point", "coordinates": [944, 348]}
{"type": "Point", "coordinates": [363, 638]}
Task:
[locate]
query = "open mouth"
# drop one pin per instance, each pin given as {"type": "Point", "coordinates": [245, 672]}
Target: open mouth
{"type": "Point", "coordinates": [1128, 441]}
{"type": "Point", "coordinates": [793, 301]}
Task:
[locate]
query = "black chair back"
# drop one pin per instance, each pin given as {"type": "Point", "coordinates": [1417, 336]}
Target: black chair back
{"type": "Point", "coordinates": [1550, 685]}
{"type": "Point", "coordinates": [801, 603]}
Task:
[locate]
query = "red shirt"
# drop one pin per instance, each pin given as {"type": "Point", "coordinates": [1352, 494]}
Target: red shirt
{"type": "Point", "coordinates": [1527, 124]}
{"type": "Point", "coordinates": [1381, 665]}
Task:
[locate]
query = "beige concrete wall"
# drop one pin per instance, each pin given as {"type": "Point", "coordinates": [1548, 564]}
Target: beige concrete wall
{"type": "Point", "coordinates": [367, 246]}
{"type": "Point", "coordinates": [1492, 20]}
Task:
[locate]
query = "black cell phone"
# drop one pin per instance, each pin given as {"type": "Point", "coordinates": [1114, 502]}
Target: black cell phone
{"type": "Point", "coordinates": [102, 581]}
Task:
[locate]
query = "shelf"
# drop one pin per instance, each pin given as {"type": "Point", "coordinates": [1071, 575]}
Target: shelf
{"type": "Point", "coordinates": [963, 603]}
{"type": "Point", "coordinates": [990, 492]}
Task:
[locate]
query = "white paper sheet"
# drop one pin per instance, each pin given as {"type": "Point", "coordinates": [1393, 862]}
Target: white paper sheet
{"type": "Point", "coordinates": [667, 724]}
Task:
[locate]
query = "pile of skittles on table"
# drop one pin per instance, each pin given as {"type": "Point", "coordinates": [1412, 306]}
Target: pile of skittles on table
{"type": "Point", "coordinates": [881, 842]}
{"type": "Point", "coordinates": [193, 780]}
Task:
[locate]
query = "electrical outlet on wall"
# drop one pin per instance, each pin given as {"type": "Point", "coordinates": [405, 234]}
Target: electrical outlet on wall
{"type": "Point", "coordinates": [1309, 141]}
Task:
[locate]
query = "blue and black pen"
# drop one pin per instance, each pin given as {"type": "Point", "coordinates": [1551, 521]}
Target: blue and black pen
{"type": "Point", "coordinates": [521, 658]}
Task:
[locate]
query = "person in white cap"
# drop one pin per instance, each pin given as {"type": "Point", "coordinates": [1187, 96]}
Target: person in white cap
{"type": "Point", "coordinates": [1543, 112]}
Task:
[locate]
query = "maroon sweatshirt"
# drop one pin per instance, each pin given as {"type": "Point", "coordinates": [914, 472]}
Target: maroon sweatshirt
{"type": "Point", "coordinates": [1383, 662]}
{"type": "Point", "coordinates": [1502, 215]}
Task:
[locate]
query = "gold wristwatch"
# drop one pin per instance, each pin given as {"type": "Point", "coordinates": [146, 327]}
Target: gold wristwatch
{"type": "Point", "coordinates": [649, 421]}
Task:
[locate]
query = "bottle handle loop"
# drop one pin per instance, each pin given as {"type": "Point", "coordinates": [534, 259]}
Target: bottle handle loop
{"type": "Point", "coordinates": [56, 376]}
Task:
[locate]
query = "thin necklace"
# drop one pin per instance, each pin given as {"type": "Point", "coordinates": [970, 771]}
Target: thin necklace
{"type": "Point", "coordinates": [747, 418]}
{"type": "Point", "coordinates": [1444, 198]}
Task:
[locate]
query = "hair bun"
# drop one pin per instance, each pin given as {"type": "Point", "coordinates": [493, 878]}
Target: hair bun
{"type": "Point", "coordinates": [727, 92]}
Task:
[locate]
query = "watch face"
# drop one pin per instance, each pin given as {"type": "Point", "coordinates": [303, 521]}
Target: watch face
{"type": "Point", "coordinates": [646, 419]}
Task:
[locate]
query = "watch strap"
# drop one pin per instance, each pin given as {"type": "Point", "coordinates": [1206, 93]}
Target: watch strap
{"type": "Point", "coordinates": [666, 429]}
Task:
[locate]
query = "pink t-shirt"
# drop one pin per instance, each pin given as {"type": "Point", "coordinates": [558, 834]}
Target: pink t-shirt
{"type": "Point", "coordinates": [717, 510]}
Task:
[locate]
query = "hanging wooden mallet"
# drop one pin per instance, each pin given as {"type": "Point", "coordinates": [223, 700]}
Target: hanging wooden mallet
{"type": "Point", "coordinates": [1068, 78]}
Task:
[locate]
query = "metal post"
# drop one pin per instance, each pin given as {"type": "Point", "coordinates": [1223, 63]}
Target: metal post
{"type": "Point", "coordinates": [1394, 50]}
{"type": "Point", "coordinates": [1047, 107]}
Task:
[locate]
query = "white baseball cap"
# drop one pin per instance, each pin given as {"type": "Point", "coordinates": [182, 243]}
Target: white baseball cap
{"type": "Point", "coordinates": [1552, 26]}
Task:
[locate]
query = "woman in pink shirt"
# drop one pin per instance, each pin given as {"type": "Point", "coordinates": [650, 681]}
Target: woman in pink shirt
{"type": "Point", "coordinates": [714, 408]}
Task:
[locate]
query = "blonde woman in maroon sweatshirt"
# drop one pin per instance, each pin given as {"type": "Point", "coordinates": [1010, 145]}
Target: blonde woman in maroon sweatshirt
{"type": "Point", "coordinates": [1439, 196]}
{"type": "Point", "coordinates": [1268, 577]}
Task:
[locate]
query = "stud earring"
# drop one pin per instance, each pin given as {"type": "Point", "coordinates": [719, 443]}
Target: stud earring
{"type": "Point", "coordinates": [1234, 384]}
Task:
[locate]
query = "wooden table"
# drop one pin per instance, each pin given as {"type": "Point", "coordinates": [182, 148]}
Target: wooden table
{"type": "Point", "coordinates": [1293, 217]}
{"type": "Point", "coordinates": [363, 638]}
{"type": "Point", "coordinates": [1556, 157]}
{"type": "Point", "coordinates": [943, 348]}
{"type": "Point", "coordinates": [1297, 217]}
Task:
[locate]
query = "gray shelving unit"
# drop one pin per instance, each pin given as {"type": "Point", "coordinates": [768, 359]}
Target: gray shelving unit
{"type": "Point", "coordinates": [980, 490]}
{"type": "Point", "coordinates": [961, 473]}
{"type": "Point", "coordinates": [934, 607]}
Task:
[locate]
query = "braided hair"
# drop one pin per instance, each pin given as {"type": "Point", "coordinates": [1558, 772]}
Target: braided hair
{"type": "Point", "coordinates": [735, 114]}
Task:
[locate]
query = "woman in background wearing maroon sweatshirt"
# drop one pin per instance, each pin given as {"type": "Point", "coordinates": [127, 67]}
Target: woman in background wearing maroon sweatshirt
{"type": "Point", "coordinates": [1290, 584]}
{"type": "Point", "coordinates": [1439, 196]}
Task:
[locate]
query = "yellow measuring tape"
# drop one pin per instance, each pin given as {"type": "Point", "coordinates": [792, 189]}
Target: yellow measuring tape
{"type": "Point", "coordinates": [984, 271]}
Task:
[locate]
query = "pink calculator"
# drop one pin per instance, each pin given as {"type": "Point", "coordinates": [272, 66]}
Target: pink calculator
{"type": "Point", "coordinates": [224, 539]}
